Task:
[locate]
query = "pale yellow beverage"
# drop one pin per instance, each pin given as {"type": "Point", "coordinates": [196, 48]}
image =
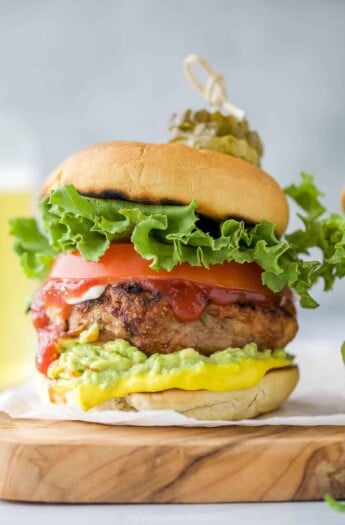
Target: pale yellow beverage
{"type": "Point", "coordinates": [16, 334]}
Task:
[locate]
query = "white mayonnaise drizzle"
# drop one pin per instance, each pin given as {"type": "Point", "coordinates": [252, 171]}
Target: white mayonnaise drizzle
{"type": "Point", "coordinates": [94, 292]}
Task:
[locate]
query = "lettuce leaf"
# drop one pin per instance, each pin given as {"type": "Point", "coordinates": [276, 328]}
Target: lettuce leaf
{"type": "Point", "coordinates": [32, 247]}
{"type": "Point", "coordinates": [326, 234]}
{"type": "Point", "coordinates": [170, 235]}
{"type": "Point", "coordinates": [334, 504]}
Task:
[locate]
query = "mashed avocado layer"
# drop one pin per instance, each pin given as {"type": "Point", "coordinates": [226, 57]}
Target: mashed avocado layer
{"type": "Point", "coordinates": [99, 371]}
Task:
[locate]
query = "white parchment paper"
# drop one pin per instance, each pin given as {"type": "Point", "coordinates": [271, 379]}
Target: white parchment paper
{"type": "Point", "coordinates": [319, 398]}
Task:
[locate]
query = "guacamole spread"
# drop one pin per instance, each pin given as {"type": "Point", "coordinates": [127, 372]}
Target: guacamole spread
{"type": "Point", "coordinates": [105, 364]}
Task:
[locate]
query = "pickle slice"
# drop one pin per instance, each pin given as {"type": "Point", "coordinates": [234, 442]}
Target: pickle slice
{"type": "Point", "coordinates": [224, 133]}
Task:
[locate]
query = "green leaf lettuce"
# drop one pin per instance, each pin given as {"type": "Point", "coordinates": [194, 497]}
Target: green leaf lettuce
{"type": "Point", "coordinates": [170, 235]}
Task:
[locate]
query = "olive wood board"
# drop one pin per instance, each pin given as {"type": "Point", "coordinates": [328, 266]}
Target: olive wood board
{"type": "Point", "coordinates": [75, 462]}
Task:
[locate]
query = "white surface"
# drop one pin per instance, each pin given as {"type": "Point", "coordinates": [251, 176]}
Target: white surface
{"type": "Point", "coordinates": [227, 514]}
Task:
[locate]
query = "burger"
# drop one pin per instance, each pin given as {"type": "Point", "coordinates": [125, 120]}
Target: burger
{"type": "Point", "coordinates": [165, 280]}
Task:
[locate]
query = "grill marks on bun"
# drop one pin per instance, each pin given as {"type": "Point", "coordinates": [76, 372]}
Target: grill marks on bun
{"type": "Point", "coordinates": [223, 186]}
{"type": "Point", "coordinates": [121, 196]}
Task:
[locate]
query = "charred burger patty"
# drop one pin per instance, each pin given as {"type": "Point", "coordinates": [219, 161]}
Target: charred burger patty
{"type": "Point", "coordinates": [146, 319]}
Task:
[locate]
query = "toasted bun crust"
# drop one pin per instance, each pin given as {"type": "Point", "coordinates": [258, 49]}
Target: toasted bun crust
{"type": "Point", "coordinates": [222, 185]}
{"type": "Point", "coordinates": [246, 403]}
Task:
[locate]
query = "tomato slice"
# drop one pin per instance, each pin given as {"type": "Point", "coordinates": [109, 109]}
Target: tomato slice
{"type": "Point", "coordinates": [122, 262]}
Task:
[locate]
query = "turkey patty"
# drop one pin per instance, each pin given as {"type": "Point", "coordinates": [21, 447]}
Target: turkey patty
{"type": "Point", "coordinates": [146, 319]}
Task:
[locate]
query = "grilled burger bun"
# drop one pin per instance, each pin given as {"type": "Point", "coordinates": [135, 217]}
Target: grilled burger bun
{"type": "Point", "coordinates": [222, 185]}
{"type": "Point", "coordinates": [139, 309]}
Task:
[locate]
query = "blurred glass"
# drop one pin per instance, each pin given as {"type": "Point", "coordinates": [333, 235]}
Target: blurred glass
{"type": "Point", "coordinates": [16, 186]}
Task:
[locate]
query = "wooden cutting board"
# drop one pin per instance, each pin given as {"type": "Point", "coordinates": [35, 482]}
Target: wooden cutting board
{"type": "Point", "coordinates": [51, 461]}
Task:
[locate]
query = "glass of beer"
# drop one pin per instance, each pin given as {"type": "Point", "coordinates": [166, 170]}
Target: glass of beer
{"type": "Point", "coordinates": [16, 335]}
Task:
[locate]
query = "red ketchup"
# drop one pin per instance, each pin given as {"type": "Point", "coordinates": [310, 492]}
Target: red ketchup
{"type": "Point", "coordinates": [50, 313]}
{"type": "Point", "coordinates": [188, 300]}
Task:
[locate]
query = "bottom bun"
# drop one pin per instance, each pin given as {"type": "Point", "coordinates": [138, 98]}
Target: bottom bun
{"type": "Point", "coordinates": [246, 403]}
{"type": "Point", "coordinates": [232, 405]}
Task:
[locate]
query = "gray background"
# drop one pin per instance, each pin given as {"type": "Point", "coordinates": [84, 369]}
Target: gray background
{"type": "Point", "coordinates": [77, 72]}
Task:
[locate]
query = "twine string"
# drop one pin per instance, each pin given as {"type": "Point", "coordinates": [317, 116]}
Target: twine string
{"type": "Point", "coordinates": [214, 89]}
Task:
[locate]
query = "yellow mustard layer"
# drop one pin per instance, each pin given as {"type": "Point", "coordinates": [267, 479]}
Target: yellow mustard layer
{"type": "Point", "coordinates": [216, 377]}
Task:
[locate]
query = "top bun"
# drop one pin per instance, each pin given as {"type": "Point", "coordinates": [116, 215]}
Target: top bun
{"type": "Point", "coordinates": [222, 185]}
